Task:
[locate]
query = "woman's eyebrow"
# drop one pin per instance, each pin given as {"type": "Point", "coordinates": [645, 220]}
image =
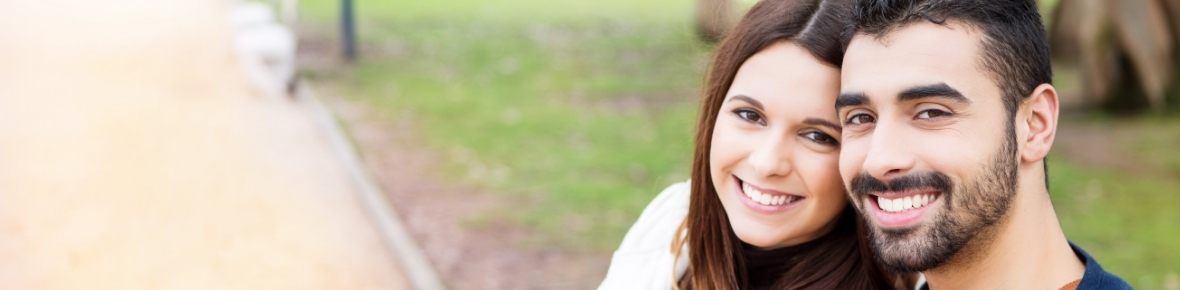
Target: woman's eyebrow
{"type": "Point", "coordinates": [750, 100]}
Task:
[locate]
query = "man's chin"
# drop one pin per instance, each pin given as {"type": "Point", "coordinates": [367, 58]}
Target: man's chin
{"type": "Point", "coordinates": [910, 249]}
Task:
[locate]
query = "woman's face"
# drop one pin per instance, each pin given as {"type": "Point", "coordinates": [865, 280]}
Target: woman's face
{"type": "Point", "coordinates": [775, 148]}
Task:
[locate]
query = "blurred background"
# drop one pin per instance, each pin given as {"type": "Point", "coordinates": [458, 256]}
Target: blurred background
{"type": "Point", "coordinates": [515, 140]}
{"type": "Point", "coordinates": [555, 122]}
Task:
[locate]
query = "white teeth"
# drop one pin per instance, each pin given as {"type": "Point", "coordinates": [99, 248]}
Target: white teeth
{"type": "Point", "coordinates": [763, 198]}
{"type": "Point", "coordinates": [904, 203]}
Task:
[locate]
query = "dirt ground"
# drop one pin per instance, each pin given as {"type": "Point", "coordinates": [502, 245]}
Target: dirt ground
{"type": "Point", "coordinates": [1119, 145]}
{"type": "Point", "coordinates": [439, 213]}
{"type": "Point", "coordinates": [491, 255]}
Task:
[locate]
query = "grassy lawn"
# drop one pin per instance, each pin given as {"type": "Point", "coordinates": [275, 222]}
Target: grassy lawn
{"type": "Point", "coordinates": [580, 113]}
{"type": "Point", "coordinates": [1125, 212]}
{"type": "Point", "coordinates": [583, 110]}
{"type": "Point", "coordinates": [1127, 222]}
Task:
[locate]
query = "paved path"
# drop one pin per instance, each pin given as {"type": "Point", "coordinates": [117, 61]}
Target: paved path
{"type": "Point", "coordinates": [133, 156]}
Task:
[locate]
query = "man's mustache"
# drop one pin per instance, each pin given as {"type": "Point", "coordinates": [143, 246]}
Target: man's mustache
{"type": "Point", "coordinates": [864, 183]}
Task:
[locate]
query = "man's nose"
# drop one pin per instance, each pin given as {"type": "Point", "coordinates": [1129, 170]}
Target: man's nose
{"type": "Point", "coordinates": [890, 153]}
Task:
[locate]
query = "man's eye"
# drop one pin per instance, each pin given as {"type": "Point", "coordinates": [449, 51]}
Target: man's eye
{"type": "Point", "coordinates": [932, 113]}
{"type": "Point", "coordinates": [859, 119]}
{"type": "Point", "coordinates": [750, 116]}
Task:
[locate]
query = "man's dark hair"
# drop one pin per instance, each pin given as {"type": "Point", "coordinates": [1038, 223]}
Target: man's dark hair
{"type": "Point", "coordinates": [1015, 50]}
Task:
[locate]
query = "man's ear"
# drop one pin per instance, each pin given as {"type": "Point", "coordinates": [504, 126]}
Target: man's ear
{"type": "Point", "coordinates": [1038, 113]}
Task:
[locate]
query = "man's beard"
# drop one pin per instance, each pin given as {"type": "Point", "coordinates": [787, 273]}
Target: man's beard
{"type": "Point", "coordinates": [971, 208]}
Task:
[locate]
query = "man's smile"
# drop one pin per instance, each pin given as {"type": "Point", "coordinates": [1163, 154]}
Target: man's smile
{"type": "Point", "coordinates": [900, 209]}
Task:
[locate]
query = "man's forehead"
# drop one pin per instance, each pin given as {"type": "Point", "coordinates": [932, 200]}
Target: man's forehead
{"type": "Point", "coordinates": [915, 54]}
{"type": "Point", "coordinates": [924, 37]}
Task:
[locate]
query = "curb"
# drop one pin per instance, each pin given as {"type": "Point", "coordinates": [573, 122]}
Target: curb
{"type": "Point", "coordinates": [411, 260]}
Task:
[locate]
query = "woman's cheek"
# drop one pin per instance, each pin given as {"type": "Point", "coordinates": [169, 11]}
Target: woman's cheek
{"type": "Point", "coordinates": [822, 174]}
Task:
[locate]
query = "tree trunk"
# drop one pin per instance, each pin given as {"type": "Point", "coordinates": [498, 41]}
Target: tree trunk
{"type": "Point", "coordinates": [714, 18]}
{"type": "Point", "coordinates": [1124, 51]}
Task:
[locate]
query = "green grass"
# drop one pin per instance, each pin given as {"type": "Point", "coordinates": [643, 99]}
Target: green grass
{"type": "Point", "coordinates": [500, 12]}
{"type": "Point", "coordinates": [1128, 223]}
{"type": "Point", "coordinates": [1126, 217]}
{"type": "Point", "coordinates": [581, 115]}
{"type": "Point", "coordinates": [581, 111]}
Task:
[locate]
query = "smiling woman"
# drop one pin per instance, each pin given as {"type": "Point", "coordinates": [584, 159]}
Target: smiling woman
{"type": "Point", "coordinates": [772, 171]}
{"type": "Point", "coordinates": [766, 207]}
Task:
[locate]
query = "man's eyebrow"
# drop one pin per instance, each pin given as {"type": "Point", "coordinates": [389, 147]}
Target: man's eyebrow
{"type": "Point", "coordinates": [750, 100]}
{"type": "Point", "coordinates": [851, 99]}
{"type": "Point", "coordinates": [941, 90]}
{"type": "Point", "coordinates": [821, 122]}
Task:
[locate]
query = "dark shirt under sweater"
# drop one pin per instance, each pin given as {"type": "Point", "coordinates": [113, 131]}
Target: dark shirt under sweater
{"type": "Point", "coordinates": [765, 267]}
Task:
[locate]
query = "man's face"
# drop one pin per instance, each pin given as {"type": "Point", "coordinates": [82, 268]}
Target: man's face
{"type": "Point", "coordinates": [928, 156]}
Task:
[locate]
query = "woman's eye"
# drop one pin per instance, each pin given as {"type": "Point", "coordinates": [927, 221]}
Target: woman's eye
{"type": "Point", "coordinates": [820, 137]}
{"type": "Point", "coordinates": [750, 116]}
{"type": "Point", "coordinates": [859, 119]}
{"type": "Point", "coordinates": [932, 113]}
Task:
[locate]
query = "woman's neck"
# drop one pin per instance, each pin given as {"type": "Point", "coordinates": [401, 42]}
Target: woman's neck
{"type": "Point", "coordinates": [764, 267]}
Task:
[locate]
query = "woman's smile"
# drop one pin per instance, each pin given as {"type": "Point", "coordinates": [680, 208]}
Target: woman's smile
{"type": "Point", "coordinates": [763, 200]}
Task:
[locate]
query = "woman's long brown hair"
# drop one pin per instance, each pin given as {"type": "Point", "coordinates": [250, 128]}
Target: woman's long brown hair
{"type": "Point", "coordinates": [714, 251]}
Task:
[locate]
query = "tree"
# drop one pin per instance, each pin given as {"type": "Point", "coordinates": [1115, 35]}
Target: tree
{"type": "Point", "coordinates": [714, 18]}
{"type": "Point", "coordinates": [1124, 51]}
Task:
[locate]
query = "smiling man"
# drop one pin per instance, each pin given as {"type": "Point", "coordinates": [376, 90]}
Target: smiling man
{"type": "Point", "coordinates": [948, 114]}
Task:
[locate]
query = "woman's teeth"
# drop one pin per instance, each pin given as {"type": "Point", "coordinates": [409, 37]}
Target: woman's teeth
{"type": "Point", "coordinates": [766, 199]}
{"type": "Point", "coordinates": [904, 203]}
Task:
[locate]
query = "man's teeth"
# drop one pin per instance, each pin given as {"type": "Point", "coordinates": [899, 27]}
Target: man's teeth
{"type": "Point", "coordinates": [766, 199]}
{"type": "Point", "coordinates": [904, 203]}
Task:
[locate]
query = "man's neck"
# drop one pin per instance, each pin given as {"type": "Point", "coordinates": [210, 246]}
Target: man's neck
{"type": "Point", "coordinates": [1025, 250]}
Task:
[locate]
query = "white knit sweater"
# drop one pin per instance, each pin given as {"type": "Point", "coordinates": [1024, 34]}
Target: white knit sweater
{"type": "Point", "coordinates": [644, 260]}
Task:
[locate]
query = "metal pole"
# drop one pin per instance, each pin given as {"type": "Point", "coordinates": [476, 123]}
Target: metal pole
{"type": "Point", "coordinates": [348, 33]}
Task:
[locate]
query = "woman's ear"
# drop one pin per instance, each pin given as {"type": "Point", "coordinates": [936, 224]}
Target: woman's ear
{"type": "Point", "coordinates": [1038, 120]}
